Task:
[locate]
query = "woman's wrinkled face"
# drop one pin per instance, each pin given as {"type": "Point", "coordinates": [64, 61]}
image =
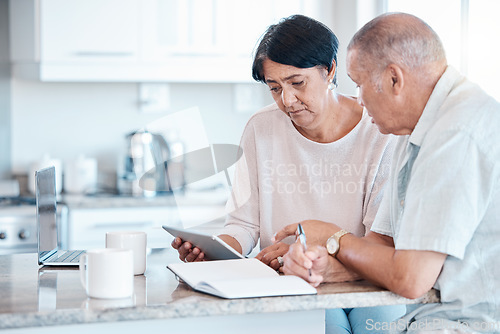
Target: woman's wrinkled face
{"type": "Point", "coordinates": [302, 93]}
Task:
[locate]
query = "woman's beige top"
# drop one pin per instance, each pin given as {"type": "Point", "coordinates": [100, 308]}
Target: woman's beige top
{"type": "Point", "coordinates": [285, 178]}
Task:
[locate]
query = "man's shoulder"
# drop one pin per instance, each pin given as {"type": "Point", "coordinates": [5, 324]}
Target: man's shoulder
{"type": "Point", "coordinates": [468, 117]}
{"type": "Point", "coordinates": [469, 110]}
{"type": "Point", "coordinates": [470, 97]}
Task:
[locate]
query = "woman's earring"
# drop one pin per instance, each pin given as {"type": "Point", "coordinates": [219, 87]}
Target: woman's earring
{"type": "Point", "coordinates": [331, 85]}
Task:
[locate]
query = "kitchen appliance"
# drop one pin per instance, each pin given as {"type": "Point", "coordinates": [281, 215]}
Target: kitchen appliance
{"type": "Point", "coordinates": [18, 230]}
{"type": "Point", "coordinates": [9, 188]}
{"type": "Point", "coordinates": [145, 152]}
{"type": "Point", "coordinates": [80, 175]}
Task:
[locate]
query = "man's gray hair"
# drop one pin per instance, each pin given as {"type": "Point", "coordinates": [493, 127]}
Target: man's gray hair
{"type": "Point", "coordinates": [397, 38]}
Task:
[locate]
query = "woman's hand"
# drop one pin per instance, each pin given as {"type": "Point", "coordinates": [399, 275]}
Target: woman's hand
{"type": "Point", "coordinates": [317, 232]}
{"type": "Point", "coordinates": [187, 252]}
{"type": "Point", "coordinates": [270, 255]}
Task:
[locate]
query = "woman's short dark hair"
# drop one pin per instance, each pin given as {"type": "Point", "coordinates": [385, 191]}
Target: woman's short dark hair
{"type": "Point", "coordinates": [299, 41]}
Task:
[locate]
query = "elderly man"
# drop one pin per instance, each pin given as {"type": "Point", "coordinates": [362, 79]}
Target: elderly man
{"type": "Point", "coordinates": [438, 225]}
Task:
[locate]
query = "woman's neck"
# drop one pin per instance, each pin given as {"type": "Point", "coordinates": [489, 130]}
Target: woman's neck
{"type": "Point", "coordinates": [340, 116]}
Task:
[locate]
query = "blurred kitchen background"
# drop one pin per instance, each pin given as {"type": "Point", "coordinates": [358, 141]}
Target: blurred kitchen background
{"type": "Point", "coordinates": [77, 77]}
{"type": "Point", "coordinates": [84, 74]}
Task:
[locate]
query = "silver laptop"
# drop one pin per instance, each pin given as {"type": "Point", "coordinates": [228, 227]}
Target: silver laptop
{"type": "Point", "coordinates": [49, 253]}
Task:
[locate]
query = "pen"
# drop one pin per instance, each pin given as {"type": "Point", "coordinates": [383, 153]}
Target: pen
{"type": "Point", "coordinates": [302, 236]}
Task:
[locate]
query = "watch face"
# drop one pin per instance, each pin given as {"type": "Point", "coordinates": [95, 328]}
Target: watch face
{"type": "Point", "coordinates": [332, 246]}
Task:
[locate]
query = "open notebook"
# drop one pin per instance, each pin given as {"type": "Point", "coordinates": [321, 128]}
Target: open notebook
{"type": "Point", "coordinates": [239, 278]}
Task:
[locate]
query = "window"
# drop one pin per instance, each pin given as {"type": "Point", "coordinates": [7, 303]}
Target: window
{"type": "Point", "coordinates": [468, 30]}
{"type": "Point", "coordinates": [483, 66]}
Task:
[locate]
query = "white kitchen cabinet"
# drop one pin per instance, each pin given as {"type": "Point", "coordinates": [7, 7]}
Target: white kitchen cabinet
{"type": "Point", "coordinates": [74, 40]}
{"type": "Point", "coordinates": [88, 31]}
{"type": "Point", "coordinates": [142, 40]}
{"type": "Point", "coordinates": [213, 40]}
{"type": "Point", "coordinates": [87, 227]}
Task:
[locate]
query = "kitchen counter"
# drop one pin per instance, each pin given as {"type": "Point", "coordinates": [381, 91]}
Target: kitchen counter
{"type": "Point", "coordinates": [190, 197]}
{"type": "Point", "coordinates": [32, 298]}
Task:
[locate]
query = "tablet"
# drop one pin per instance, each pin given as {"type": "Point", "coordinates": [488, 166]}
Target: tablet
{"type": "Point", "coordinates": [213, 247]}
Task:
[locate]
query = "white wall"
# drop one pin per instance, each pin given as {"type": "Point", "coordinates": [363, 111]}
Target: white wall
{"type": "Point", "coordinates": [67, 119]}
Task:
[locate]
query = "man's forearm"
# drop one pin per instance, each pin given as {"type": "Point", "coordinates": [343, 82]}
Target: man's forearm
{"type": "Point", "coordinates": [339, 273]}
{"type": "Point", "coordinates": [405, 272]}
{"type": "Point", "coordinates": [368, 259]}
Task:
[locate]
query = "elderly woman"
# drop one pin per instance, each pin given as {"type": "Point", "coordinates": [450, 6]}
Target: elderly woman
{"type": "Point", "coordinates": [312, 155]}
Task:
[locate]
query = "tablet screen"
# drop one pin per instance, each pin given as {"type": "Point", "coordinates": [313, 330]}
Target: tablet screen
{"type": "Point", "coordinates": [213, 247]}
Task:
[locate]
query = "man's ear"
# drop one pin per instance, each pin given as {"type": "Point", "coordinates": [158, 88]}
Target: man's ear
{"type": "Point", "coordinates": [397, 78]}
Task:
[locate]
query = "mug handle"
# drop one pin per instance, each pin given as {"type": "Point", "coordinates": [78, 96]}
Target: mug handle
{"type": "Point", "coordinates": [83, 270]}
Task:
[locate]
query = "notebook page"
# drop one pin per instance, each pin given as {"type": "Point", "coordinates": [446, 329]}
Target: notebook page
{"type": "Point", "coordinates": [195, 272]}
{"type": "Point", "coordinates": [257, 287]}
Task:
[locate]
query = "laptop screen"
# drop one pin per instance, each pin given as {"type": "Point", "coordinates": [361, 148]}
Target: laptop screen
{"type": "Point", "coordinates": [45, 185]}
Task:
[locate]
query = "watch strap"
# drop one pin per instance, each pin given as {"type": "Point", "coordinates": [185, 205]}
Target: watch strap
{"type": "Point", "coordinates": [337, 236]}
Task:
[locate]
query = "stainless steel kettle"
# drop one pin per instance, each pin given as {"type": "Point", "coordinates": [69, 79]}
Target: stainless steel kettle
{"type": "Point", "coordinates": [145, 152]}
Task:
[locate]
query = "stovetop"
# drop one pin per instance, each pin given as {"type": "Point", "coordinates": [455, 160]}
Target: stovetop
{"type": "Point", "coordinates": [17, 225]}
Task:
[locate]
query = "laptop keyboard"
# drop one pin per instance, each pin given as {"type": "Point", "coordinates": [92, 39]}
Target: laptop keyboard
{"type": "Point", "coordinates": [67, 257]}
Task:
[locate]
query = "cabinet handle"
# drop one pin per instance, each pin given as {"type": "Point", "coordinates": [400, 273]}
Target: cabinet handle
{"type": "Point", "coordinates": [102, 54]}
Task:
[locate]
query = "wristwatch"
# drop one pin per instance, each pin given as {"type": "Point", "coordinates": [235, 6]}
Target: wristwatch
{"type": "Point", "coordinates": [333, 243]}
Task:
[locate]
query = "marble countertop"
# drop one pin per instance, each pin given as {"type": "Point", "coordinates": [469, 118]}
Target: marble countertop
{"type": "Point", "coordinates": [32, 296]}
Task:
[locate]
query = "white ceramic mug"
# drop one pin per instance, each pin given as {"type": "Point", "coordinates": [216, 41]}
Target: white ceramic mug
{"type": "Point", "coordinates": [134, 240]}
{"type": "Point", "coordinates": [107, 273]}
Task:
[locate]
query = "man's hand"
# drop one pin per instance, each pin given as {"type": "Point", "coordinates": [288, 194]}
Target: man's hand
{"type": "Point", "coordinates": [317, 231]}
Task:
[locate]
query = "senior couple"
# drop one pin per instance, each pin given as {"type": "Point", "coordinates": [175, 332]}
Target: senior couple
{"type": "Point", "coordinates": [399, 186]}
